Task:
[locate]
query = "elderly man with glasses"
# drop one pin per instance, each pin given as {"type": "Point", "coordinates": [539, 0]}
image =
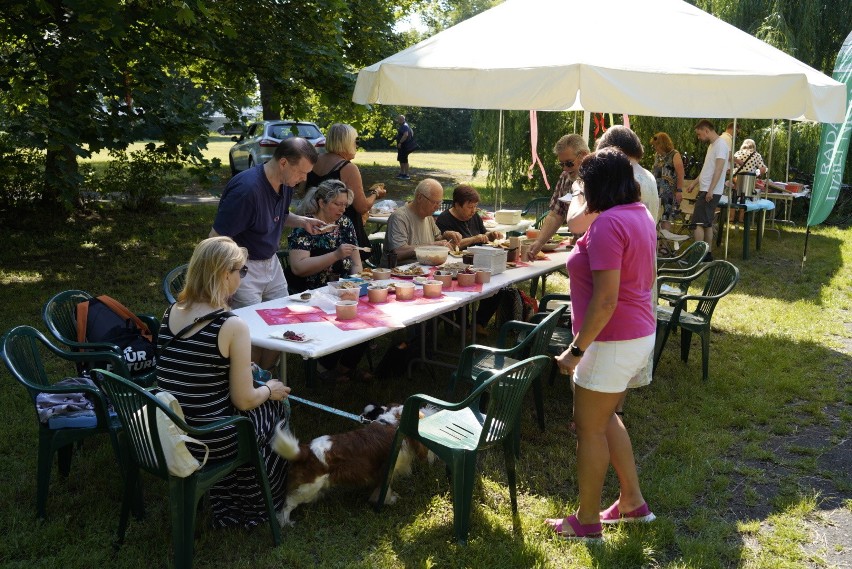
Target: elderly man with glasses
{"type": "Point", "coordinates": [413, 224]}
{"type": "Point", "coordinates": [570, 151]}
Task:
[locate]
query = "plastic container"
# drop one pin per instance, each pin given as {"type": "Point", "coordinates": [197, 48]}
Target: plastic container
{"type": "Point", "coordinates": [466, 279]}
{"type": "Point", "coordinates": [377, 294]}
{"type": "Point", "coordinates": [445, 279]}
{"type": "Point", "coordinates": [431, 254]}
{"type": "Point", "coordinates": [381, 274]}
{"type": "Point", "coordinates": [346, 309]}
{"type": "Point", "coordinates": [493, 258]}
{"type": "Point", "coordinates": [432, 289]}
{"type": "Point", "coordinates": [483, 275]}
{"type": "Point", "coordinates": [404, 290]}
{"type": "Point", "coordinates": [508, 216]}
{"type": "Point", "coordinates": [348, 290]}
{"type": "Point", "coordinates": [533, 233]}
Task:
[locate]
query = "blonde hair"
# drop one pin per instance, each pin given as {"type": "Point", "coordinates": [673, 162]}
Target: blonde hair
{"type": "Point", "coordinates": [341, 138]}
{"type": "Point", "coordinates": [664, 140]}
{"type": "Point", "coordinates": [208, 270]}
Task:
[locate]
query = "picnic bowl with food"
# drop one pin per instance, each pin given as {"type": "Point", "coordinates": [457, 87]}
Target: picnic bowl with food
{"type": "Point", "coordinates": [466, 279]}
{"type": "Point", "coordinates": [483, 275]}
{"type": "Point", "coordinates": [432, 288]}
{"type": "Point", "coordinates": [348, 290]}
{"type": "Point", "coordinates": [346, 309]}
{"type": "Point", "coordinates": [445, 277]}
{"type": "Point", "coordinates": [551, 245]}
{"type": "Point", "coordinates": [381, 274]}
{"type": "Point", "coordinates": [404, 290]}
{"type": "Point", "coordinates": [431, 254]}
{"type": "Point", "coordinates": [377, 293]}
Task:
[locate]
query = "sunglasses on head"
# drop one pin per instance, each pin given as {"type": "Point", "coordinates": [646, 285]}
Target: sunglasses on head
{"type": "Point", "coordinates": [243, 271]}
{"type": "Point", "coordinates": [566, 163]}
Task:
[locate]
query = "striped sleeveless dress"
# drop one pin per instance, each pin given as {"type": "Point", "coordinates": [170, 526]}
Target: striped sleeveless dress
{"type": "Point", "coordinates": [197, 374]}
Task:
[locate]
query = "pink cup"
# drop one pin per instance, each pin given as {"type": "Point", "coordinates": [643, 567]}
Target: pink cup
{"type": "Point", "coordinates": [376, 295]}
{"type": "Point", "coordinates": [466, 279]}
{"type": "Point", "coordinates": [346, 309]}
{"type": "Point", "coordinates": [432, 289]}
{"type": "Point", "coordinates": [404, 291]}
{"type": "Point", "coordinates": [483, 276]}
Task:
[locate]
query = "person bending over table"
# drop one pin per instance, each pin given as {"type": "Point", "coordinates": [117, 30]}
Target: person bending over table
{"type": "Point", "coordinates": [612, 269]}
{"type": "Point", "coordinates": [569, 150]}
{"type": "Point", "coordinates": [462, 218]}
{"type": "Point", "coordinates": [253, 211]}
{"type": "Point", "coordinates": [413, 224]}
{"type": "Point", "coordinates": [315, 258]}
{"type": "Point", "coordinates": [208, 370]}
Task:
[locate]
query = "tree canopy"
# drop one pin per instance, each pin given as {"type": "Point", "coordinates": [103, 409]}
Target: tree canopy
{"type": "Point", "coordinates": [79, 76]}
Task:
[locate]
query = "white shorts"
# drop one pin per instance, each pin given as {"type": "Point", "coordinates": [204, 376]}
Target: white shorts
{"type": "Point", "coordinates": [264, 281]}
{"type": "Point", "coordinates": [612, 367]}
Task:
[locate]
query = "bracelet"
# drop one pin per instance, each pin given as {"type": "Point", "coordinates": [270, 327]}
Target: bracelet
{"type": "Point", "coordinates": [270, 391]}
{"type": "Point", "coordinates": [372, 193]}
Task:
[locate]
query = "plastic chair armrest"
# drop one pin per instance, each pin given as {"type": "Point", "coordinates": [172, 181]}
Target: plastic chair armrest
{"type": "Point", "coordinates": [543, 303]}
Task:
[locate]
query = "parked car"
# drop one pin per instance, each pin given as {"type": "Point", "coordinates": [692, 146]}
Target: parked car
{"type": "Point", "coordinates": [230, 128]}
{"type": "Point", "coordinates": [259, 142]}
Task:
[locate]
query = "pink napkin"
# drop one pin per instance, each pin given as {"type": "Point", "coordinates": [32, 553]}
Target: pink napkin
{"type": "Point", "coordinates": [291, 315]}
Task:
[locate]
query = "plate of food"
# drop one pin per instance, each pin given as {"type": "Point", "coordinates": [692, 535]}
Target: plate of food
{"type": "Point", "coordinates": [457, 254]}
{"type": "Point", "coordinates": [291, 336]}
{"type": "Point", "coordinates": [419, 280]}
{"type": "Point", "coordinates": [551, 245]}
{"type": "Point", "coordinates": [408, 271]}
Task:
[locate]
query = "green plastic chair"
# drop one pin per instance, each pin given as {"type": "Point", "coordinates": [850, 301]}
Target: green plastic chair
{"type": "Point", "coordinates": [173, 283]}
{"type": "Point", "coordinates": [721, 277]}
{"type": "Point", "coordinates": [680, 265]}
{"type": "Point", "coordinates": [458, 431]}
{"type": "Point", "coordinates": [22, 349]}
{"type": "Point", "coordinates": [534, 341]}
{"type": "Point", "coordinates": [136, 409]}
{"type": "Point", "coordinates": [536, 207]}
{"type": "Point", "coordinates": [562, 333]}
{"type": "Point", "coordinates": [61, 321]}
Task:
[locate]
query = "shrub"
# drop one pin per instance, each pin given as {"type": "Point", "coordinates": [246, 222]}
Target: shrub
{"type": "Point", "coordinates": [22, 175]}
{"type": "Point", "coordinates": [139, 180]}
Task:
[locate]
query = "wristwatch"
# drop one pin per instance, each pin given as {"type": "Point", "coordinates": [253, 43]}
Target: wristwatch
{"type": "Point", "coordinates": [575, 351]}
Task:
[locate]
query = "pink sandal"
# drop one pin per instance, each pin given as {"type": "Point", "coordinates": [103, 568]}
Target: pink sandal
{"type": "Point", "coordinates": [588, 531]}
{"type": "Point", "coordinates": [642, 514]}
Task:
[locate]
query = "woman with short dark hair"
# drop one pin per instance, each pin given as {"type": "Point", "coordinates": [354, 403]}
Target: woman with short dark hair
{"type": "Point", "coordinates": [463, 218]}
{"type": "Point", "coordinates": [612, 269]}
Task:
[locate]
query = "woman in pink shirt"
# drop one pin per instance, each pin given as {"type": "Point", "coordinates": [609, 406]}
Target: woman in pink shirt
{"type": "Point", "coordinates": [612, 272]}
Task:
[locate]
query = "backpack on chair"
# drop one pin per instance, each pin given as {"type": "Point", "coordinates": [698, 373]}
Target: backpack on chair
{"type": "Point", "coordinates": [105, 320]}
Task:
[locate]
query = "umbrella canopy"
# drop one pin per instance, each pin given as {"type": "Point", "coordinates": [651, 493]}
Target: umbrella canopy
{"type": "Point", "coordinates": [653, 58]}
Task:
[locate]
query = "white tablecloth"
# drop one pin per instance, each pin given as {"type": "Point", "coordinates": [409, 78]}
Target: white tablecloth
{"type": "Point", "coordinates": [326, 338]}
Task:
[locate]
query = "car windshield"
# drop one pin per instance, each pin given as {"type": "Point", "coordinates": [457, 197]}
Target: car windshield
{"type": "Point", "coordinates": [282, 131]}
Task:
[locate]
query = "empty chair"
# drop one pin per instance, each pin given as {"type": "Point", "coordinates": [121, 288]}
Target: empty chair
{"type": "Point", "coordinates": [137, 408]}
{"type": "Point", "coordinates": [173, 283]}
{"type": "Point", "coordinates": [458, 431]}
{"type": "Point", "coordinates": [535, 339]}
{"type": "Point", "coordinates": [536, 207]}
{"type": "Point", "coordinates": [683, 264]}
{"type": "Point", "coordinates": [721, 277]}
{"type": "Point", "coordinates": [22, 350]}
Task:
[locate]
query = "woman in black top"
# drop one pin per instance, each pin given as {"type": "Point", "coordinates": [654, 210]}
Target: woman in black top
{"type": "Point", "coordinates": [336, 164]}
{"type": "Point", "coordinates": [462, 217]}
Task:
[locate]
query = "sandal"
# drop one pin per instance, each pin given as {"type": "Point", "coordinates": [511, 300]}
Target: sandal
{"type": "Point", "coordinates": [587, 532]}
{"type": "Point", "coordinates": [642, 514]}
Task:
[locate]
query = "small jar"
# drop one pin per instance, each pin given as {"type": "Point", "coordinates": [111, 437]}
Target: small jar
{"type": "Point", "coordinates": [404, 291]}
{"type": "Point", "coordinates": [466, 279]}
{"type": "Point", "coordinates": [346, 309]}
{"type": "Point", "coordinates": [432, 289]}
{"type": "Point", "coordinates": [483, 276]}
{"type": "Point", "coordinates": [377, 294]}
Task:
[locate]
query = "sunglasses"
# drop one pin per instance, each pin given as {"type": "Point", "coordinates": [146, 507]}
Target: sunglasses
{"type": "Point", "coordinates": [566, 164]}
{"type": "Point", "coordinates": [243, 271]}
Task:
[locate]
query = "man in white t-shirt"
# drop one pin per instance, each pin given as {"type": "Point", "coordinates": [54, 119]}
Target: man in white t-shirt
{"type": "Point", "coordinates": [711, 180]}
{"type": "Point", "coordinates": [626, 140]}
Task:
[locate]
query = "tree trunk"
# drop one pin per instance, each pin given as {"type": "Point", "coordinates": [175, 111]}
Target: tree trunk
{"type": "Point", "coordinates": [268, 100]}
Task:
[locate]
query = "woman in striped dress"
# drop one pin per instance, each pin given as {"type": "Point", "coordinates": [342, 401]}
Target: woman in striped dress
{"type": "Point", "coordinates": [208, 370]}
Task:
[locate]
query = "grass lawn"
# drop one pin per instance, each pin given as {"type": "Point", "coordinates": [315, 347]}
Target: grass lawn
{"type": "Point", "coordinates": [751, 469]}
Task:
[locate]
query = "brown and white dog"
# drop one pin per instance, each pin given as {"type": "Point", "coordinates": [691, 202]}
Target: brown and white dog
{"type": "Point", "coordinates": [354, 459]}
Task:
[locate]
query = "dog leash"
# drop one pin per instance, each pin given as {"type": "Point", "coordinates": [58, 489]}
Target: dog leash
{"type": "Point", "coordinates": [358, 418]}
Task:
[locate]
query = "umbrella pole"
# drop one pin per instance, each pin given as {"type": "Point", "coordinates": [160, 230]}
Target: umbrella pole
{"type": "Point", "coordinates": [789, 144]}
{"type": "Point", "coordinates": [730, 190]}
{"type": "Point", "coordinates": [498, 197]}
